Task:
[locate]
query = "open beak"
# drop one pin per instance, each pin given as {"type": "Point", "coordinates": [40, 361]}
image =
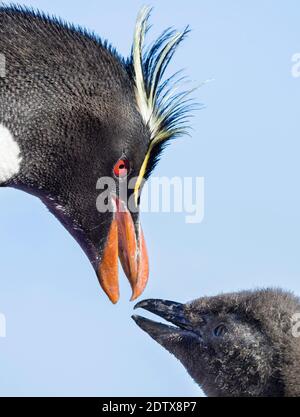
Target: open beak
{"type": "Point", "coordinates": [170, 311]}
{"type": "Point", "coordinates": [125, 241]}
{"type": "Point", "coordinates": [166, 334]}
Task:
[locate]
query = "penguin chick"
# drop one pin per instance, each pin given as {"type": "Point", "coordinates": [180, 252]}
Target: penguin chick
{"type": "Point", "coordinates": [237, 344]}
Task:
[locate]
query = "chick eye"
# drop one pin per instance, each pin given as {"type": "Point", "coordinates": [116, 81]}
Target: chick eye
{"type": "Point", "coordinates": [121, 168]}
{"type": "Point", "coordinates": [220, 330]}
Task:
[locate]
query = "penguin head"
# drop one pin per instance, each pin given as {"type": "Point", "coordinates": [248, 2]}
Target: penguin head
{"type": "Point", "coordinates": [87, 181]}
{"type": "Point", "coordinates": [233, 344]}
{"type": "Point", "coordinates": [90, 126]}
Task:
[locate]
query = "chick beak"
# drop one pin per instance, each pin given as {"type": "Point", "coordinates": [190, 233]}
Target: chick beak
{"type": "Point", "coordinates": [170, 311]}
{"type": "Point", "coordinates": [165, 334]}
{"type": "Point", "coordinates": [125, 241]}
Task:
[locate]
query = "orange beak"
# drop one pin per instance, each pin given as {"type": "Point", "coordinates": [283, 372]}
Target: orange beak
{"type": "Point", "coordinates": [125, 241]}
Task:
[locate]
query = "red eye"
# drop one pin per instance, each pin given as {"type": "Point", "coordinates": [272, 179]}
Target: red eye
{"type": "Point", "coordinates": [121, 169]}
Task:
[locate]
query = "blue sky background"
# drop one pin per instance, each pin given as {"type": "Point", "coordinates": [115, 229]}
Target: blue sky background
{"type": "Point", "coordinates": [63, 336]}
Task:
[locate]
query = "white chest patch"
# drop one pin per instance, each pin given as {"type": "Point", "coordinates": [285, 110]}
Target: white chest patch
{"type": "Point", "coordinates": [10, 158]}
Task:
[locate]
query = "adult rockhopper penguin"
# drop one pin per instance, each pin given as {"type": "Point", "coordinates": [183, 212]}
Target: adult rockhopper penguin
{"type": "Point", "coordinates": [72, 111]}
{"type": "Point", "coordinates": [238, 344]}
